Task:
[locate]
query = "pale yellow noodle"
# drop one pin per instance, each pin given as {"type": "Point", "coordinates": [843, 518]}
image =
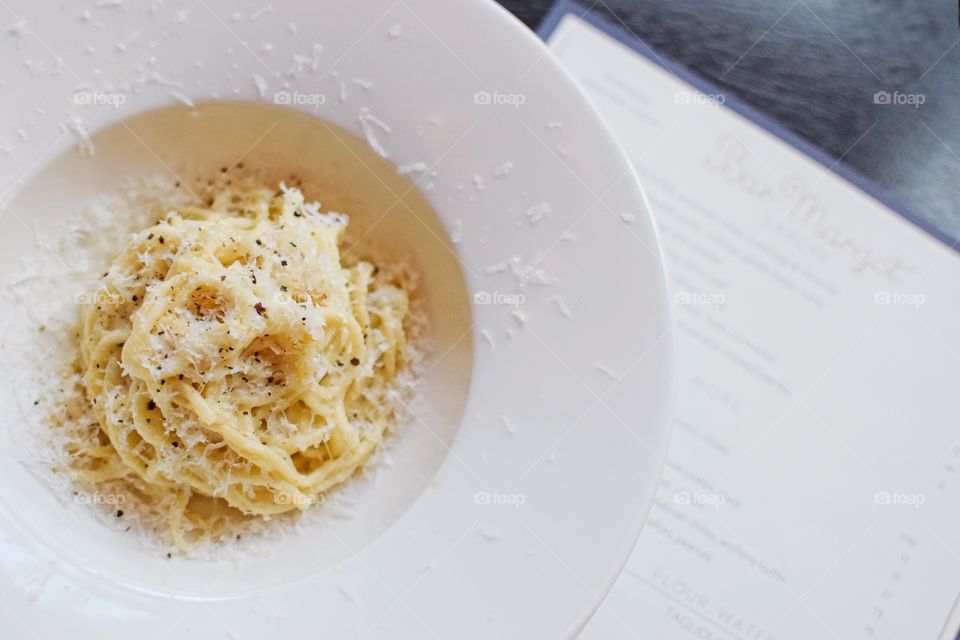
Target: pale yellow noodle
{"type": "Point", "coordinates": [230, 358]}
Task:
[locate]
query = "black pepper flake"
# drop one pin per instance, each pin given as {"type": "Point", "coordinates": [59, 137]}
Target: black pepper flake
{"type": "Point", "coordinates": [339, 363]}
{"type": "Point", "coordinates": [151, 405]}
{"type": "Point", "coordinates": [149, 237]}
{"type": "Point", "coordinates": [169, 555]}
{"type": "Point", "coordinates": [223, 169]}
{"type": "Point", "coordinates": [180, 377]}
{"type": "Point", "coordinates": [261, 310]}
{"type": "Point", "coordinates": [176, 444]}
{"type": "Point", "coordinates": [283, 263]}
{"type": "Point", "coordinates": [160, 239]}
{"type": "Point", "coordinates": [135, 298]}
{"type": "Point", "coordinates": [259, 243]}
{"type": "Point", "coordinates": [354, 361]}
{"type": "Point", "coordinates": [119, 513]}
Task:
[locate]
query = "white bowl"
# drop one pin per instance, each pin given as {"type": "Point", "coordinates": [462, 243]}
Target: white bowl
{"type": "Point", "coordinates": [514, 501]}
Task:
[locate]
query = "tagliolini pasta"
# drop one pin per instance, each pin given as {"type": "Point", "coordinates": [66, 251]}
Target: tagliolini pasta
{"type": "Point", "coordinates": [233, 366]}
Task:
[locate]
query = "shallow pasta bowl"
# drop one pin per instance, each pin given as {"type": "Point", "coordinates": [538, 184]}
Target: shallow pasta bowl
{"type": "Point", "coordinates": [516, 494]}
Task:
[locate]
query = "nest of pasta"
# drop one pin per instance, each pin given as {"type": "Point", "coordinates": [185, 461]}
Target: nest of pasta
{"type": "Point", "coordinates": [232, 364]}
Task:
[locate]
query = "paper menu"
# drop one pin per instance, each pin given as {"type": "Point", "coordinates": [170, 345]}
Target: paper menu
{"type": "Point", "coordinates": [810, 482]}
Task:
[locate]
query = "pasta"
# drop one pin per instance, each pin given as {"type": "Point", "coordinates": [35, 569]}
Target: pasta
{"type": "Point", "coordinates": [233, 366]}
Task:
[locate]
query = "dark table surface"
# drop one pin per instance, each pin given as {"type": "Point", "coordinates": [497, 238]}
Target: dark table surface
{"type": "Point", "coordinates": [816, 65]}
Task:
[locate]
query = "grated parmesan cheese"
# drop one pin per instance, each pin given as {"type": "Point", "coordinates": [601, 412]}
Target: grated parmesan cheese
{"type": "Point", "coordinates": [561, 306]}
{"type": "Point", "coordinates": [260, 84]}
{"type": "Point", "coordinates": [367, 123]}
{"type": "Point", "coordinates": [76, 126]}
{"type": "Point", "coordinates": [537, 213]}
{"type": "Point", "coordinates": [607, 372]}
{"type": "Point", "coordinates": [503, 170]}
